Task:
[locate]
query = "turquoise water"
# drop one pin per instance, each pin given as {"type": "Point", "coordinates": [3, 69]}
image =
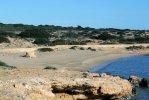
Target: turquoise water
{"type": "Point", "coordinates": [134, 65]}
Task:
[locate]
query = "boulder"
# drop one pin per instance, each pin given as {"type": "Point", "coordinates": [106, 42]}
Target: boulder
{"type": "Point", "coordinates": [134, 80]}
{"type": "Point", "coordinates": [144, 82]}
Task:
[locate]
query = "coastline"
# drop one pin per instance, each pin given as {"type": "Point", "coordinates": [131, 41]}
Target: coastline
{"type": "Point", "coordinates": [102, 65]}
{"type": "Point", "coordinates": [31, 76]}
{"type": "Point", "coordinates": [63, 58]}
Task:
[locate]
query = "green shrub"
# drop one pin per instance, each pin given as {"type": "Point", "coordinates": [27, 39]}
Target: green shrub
{"type": "Point", "coordinates": [6, 34]}
{"type": "Point", "coordinates": [58, 42]}
{"type": "Point", "coordinates": [6, 66]}
{"type": "Point", "coordinates": [73, 47]}
{"type": "Point", "coordinates": [135, 47]}
{"type": "Point", "coordinates": [50, 68]}
{"type": "Point", "coordinates": [3, 64]}
{"type": "Point", "coordinates": [45, 49]}
{"type": "Point", "coordinates": [105, 36]}
{"type": "Point", "coordinates": [92, 49]}
{"type": "Point", "coordinates": [35, 33]}
{"type": "Point", "coordinates": [147, 47]}
{"type": "Point", "coordinates": [81, 48]}
{"type": "Point", "coordinates": [4, 39]}
{"type": "Point", "coordinates": [78, 43]}
{"type": "Point", "coordinates": [41, 41]}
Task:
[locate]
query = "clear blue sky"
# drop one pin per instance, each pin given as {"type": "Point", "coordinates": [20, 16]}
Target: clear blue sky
{"type": "Point", "coordinates": [133, 14]}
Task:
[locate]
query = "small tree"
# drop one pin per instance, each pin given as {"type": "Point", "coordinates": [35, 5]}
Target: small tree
{"type": "Point", "coordinates": [41, 41]}
{"type": "Point", "coordinates": [106, 36]}
{"type": "Point", "coordinates": [35, 33]}
{"type": "Point", "coordinates": [4, 39]}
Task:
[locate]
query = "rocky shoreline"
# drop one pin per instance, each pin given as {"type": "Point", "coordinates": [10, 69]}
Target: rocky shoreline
{"type": "Point", "coordinates": [138, 82]}
{"type": "Point", "coordinates": [33, 84]}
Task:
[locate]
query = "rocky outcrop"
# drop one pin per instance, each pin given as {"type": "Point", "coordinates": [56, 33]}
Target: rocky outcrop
{"type": "Point", "coordinates": [139, 82]}
{"type": "Point", "coordinates": [144, 82]}
{"type": "Point", "coordinates": [135, 81]}
{"type": "Point", "coordinates": [62, 85]}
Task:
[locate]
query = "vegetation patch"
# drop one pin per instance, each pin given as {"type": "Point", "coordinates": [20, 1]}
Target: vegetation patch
{"type": "Point", "coordinates": [92, 49]}
{"type": "Point", "coordinates": [5, 66]}
{"type": "Point", "coordinates": [45, 49]}
{"type": "Point", "coordinates": [82, 48]}
{"type": "Point", "coordinates": [50, 68]}
{"type": "Point", "coordinates": [147, 47]}
{"type": "Point", "coordinates": [35, 33]}
{"type": "Point", "coordinates": [76, 47]}
{"type": "Point", "coordinates": [135, 47]}
{"type": "Point", "coordinates": [6, 34]}
{"type": "Point", "coordinates": [73, 47]}
{"type": "Point", "coordinates": [41, 41]}
{"type": "Point", "coordinates": [58, 35]}
{"type": "Point", "coordinates": [4, 39]}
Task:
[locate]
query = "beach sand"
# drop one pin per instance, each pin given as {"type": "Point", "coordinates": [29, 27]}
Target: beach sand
{"type": "Point", "coordinates": [63, 58]}
{"type": "Point", "coordinates": [30, 80]}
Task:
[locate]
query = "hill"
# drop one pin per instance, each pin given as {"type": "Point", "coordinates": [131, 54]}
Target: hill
{"type": "Point", "coordinates": [58, 35]}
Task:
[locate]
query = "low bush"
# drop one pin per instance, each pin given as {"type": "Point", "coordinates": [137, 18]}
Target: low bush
{"type": "Point", "coordinates": [147, 47]}
{"type": "Point", "coordinates": [92, 49]}
{"type": "Point", "coordinates": [6, 34]}
{"type": "Point", "coordinates": [35, 33]}
{"type": "Point", "coordinates": [76, 47]}
{"type": "Point", "coordinates": [135, 47]}
{"type": "Point", "coordinates": [6, 66]}
{"type": "Point", "coordinates": [73, 47]}
{"type": "Point", "coordinates": [81, 48]}
{"type": "Point", "coordinates": [50, 68]}
{"type": "Point", "coordinates": [45, 49]}
{"type": "Point", "coordinates": [41, 41]}
{"type": "Point", "coordinates": [3, 64]}
{"type": "Point", "coordinates": [4, 39]}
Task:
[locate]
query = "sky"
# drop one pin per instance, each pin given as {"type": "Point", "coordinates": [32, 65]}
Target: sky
{"type": "Point", "coordinates": [125, 14]}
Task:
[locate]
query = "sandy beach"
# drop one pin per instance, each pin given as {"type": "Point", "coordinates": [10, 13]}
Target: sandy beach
{"type": "Point", "coordinates": [64, 58]}
{"type": "Point", "coordinates": [31, 80]}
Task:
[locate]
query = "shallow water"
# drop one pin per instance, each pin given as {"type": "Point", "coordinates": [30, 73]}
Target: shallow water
{"type": "Point", "coordinates": [135, 65]}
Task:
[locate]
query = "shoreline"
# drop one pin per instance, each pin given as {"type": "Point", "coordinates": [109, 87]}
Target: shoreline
{"type": "Point", "coordinates": [62, 57]}
{"type": "Point", "coordinates": [65, 59]}
{"type": "Point", "coordinates": [30, 73]}
{"type": "Point", "coordinates": [102, 65]}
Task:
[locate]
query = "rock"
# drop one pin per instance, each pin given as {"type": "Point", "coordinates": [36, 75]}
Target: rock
{"type": "Point", "coordinates": [134, 80]}
{"type": "Point", "coordinates": [30, 54]}
{"type": "Point", "coordinates": [114, 88]}
{"type": "Point", "coordinates": [66, 85]}
{"type": "Point", "coordinates": [108, 87]}
{"type": "Point", "coordinates": [144, 82]}
{"type": "Point", "coordinates": [134, 91]}
{"type": "Point", "coordinates": [103, 75]}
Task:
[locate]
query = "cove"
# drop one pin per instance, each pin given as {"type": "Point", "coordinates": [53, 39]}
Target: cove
{"type": "Point", "coordinates": [137, 65]}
